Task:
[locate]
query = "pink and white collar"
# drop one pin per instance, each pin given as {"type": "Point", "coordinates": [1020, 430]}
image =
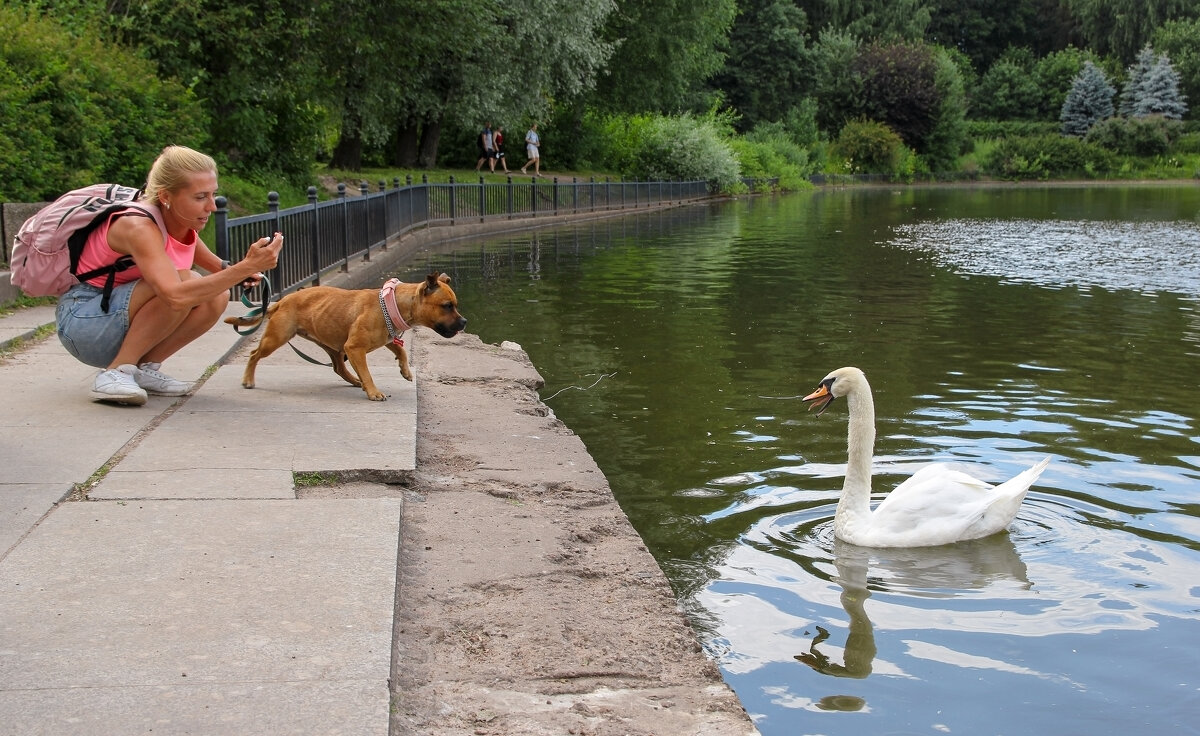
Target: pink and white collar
{"type": "Point", "coordinates": [396, 326]}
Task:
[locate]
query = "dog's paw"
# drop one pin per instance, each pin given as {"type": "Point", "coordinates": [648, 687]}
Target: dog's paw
{"type": "Point", "coordinates": [377, 397]}
{"type": "Point", "coordinates": [247, 384]}
{"type": "Point", "coordinates": [406, 373]}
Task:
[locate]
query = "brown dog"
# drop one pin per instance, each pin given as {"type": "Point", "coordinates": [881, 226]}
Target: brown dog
{"type": "Point", "coordinates": [348, 324]}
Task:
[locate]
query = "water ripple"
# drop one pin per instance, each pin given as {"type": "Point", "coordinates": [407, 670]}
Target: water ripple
{"type": "Point", "coordinates": [1140, 256]}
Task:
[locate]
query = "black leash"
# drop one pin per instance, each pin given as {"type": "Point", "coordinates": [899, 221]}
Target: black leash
{"type": "Point", "coordinates": [265, 283]}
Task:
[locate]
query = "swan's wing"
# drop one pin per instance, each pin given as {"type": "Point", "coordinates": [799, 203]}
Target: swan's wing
{"type": "Point", "coordinates": [935, 488]}
{"type": "Point", "coordinates": [1006, 501]}
{"type": "Point", "coordinates": [934, 506]}
{"type": "Point", "coordinates": [940, 505]}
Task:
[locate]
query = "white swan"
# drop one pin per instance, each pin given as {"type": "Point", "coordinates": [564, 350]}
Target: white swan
{"type": "Point", "coordinates": [937, 505]}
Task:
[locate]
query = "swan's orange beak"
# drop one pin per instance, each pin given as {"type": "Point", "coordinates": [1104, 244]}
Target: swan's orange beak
{"type": "Point", "coordinates": [822, 397]}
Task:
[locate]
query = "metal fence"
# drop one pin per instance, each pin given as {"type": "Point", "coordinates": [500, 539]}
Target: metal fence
{"type": "Point", "coordinates": [325, 236]}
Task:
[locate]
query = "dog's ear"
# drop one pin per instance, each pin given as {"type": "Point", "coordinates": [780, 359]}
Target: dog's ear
{"type": "Point", "coordinates": [431, 284]}
{"type": "Point", "coordinates": [444, 278]}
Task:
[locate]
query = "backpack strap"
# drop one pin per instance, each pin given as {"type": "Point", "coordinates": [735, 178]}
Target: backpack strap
{"type": "Point", "coordinates": [122, 263]}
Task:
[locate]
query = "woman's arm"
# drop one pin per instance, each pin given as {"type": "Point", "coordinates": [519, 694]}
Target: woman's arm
{"type": "Point", "coordinates": [140, 237]}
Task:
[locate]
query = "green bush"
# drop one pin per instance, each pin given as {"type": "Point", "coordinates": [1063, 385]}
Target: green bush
{"type": "Point", "coordinates": [1009, 128]}
{"type": "Point", "coordinates": [1047, 157]}
{"type": "Point", "coordinates": [768, 152]}
{"type": "Point", "coordinates": [869, 147]}
{"type": "Point", "coordinates": [1142, 136]}
{"type": "Point", "coordinates": [76, 111]}
{"type": "Point", "coordinates": [1188, 143]}
{"type": "Point", "coordinates": [685, 147]}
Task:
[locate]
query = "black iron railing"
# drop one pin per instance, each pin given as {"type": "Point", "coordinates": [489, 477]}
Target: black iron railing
{"type": "Point", "coordinates": [324, 236]}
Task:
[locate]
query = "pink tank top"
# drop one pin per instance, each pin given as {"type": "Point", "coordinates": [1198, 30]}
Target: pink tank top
{"type": "Point", "coordinates": [97, 254]}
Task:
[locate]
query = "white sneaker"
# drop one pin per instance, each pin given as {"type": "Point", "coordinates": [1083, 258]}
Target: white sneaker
{"type": "Point", "coordinates": [160, 384]}
{"type": "Point", "coordinates": [119, 385]}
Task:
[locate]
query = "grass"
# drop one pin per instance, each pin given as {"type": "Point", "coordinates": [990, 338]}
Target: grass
{"type": "Point", "coordinates": [12, 347]}
{"type": "Point", "coordinates": [309, 480]}
{"type": "Point", "coordinates": [24, 302]}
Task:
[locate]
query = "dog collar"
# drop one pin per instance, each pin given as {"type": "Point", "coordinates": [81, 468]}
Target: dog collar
{"type": "Point", "coordinates": [396, 326]}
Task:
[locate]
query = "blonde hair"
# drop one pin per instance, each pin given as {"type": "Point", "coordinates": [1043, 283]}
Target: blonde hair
{"type": "Point", "coordinates": [172, 168]}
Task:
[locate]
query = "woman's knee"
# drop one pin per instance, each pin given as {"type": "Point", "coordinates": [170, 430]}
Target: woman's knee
{"type": "Point", "coordinates": [215, 307]}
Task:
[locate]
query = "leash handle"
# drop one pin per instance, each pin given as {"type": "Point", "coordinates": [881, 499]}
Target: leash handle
{"type": "Point", "coordinates": [265, 283]}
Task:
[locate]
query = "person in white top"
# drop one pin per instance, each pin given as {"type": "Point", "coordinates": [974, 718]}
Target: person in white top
{"type": "Point", "coordinates": [532, 143]}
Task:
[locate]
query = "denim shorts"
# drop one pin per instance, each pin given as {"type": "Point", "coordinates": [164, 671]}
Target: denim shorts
{"type": "Point", "coordinates": [89, 333]}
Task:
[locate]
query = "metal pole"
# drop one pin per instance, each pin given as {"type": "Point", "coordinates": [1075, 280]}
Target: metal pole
{"type": "Point", "coordinates": [314, 239]}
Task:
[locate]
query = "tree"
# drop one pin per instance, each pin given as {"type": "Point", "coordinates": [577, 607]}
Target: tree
{"type": "Point", "coordinates": [1121, 27]}
{"type": "Point", "coordinates": [1160, 92]}
{"type": "Point", "coordinates": [887, 20]}
{"type": "Point", "coordinates": [1055, 73]}
{"type": "Point", "coordinates": [948, 134]}
{"type": "Point", "coordinates": [984, 29]}
{"type": "Point", "coordinates": [1135, 80]}
{"type": "Point", "coordinates": [1180, 41]}
{"type": "Point", "coordinates": [898, 88]}
{"type": "Point", "coordinates": [1008, 89]}
{"type": "Point", "coordinates": [522, 58]}
{"type": "Point", "coordinates": [665, 51]}
{"type": "Point", "coordinates": [364, 85]}
{"type": "Point", "coordinates": [768, 67]}
{"type": "Point", "coordinates": [1088, 102]}
{"type": "Point", "coordinates": [1153, 88]}
{"type": "Point", "coordinates": [76, 110]}
{"type": "Point", "coordinates": [838, 94]}
{"type": "Point", "coordinates": [250, 60]}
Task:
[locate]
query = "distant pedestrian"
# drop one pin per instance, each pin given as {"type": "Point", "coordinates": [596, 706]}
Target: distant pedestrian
{"type": "Point", "coordinates": [532, 144]}
{"type": "Point", "coordinates": [486, 144]}
{"type": "Point", "coordinates": [498, 145]}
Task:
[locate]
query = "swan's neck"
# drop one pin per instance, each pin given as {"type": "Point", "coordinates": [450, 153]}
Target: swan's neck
{"type": "Point", "coordinates": [855, 502]}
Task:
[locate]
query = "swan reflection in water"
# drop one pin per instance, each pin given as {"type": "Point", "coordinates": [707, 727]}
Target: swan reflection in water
{"type": "Point", "coordinates": [936, 572]}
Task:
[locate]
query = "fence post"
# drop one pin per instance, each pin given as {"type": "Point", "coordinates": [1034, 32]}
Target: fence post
{"type": "Point", "coordinates": [509, 192]}
{"type": "Point", "coordinates": [383, 208]}
{"type": "Point", "coordinates": [555, 200]}
{"type": "Point", "coordinates": [482, 200]}
{"type": "Point", "coordinates": [395, 208]}
{"type": "Point", "coordinates": [364, 192]}
{"type": "Point", "coordinates": [314, 237]}
{"type": "Point", "coordinates": [428, 203]}
{"type": "Point", "coordinates": [222, 228]}
{"type": "Point", "coordinates": [635, 192]}
{"type": "Point", "coordinates": [344, 207]}
{"type": "Point", "coordinates": [273, 208]}
{"type": "Point", "coordinates": [533, 198]}
{"type": "Point", "coordinates": [453, 197]}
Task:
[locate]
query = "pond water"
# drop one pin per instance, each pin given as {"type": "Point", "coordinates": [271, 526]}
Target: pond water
{"type": "Point", "coordinates": [997, 326]}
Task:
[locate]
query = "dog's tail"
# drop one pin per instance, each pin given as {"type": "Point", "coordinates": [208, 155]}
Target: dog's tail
{"type": "Point", "coordinates": [250, 320]}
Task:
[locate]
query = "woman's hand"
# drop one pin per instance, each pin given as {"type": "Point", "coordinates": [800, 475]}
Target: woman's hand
{"type": "Point", "coordinates": [263, 255]}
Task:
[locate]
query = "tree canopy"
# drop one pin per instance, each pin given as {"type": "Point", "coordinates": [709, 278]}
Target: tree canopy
{"type": "Point", "coordinates": [274, 87]}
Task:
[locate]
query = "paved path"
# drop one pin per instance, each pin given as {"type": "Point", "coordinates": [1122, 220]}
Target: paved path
{"type": "Point", "coordinates": [194, 592]}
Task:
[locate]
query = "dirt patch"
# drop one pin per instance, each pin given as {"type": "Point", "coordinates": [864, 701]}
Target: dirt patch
{"type": "Point", "coordinates": [527, 604]}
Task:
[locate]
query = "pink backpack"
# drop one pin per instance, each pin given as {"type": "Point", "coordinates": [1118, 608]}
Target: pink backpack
{"type": "Point", "coordinates": [46, 251]}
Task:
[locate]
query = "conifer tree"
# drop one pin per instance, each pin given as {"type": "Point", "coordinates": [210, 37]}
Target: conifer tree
{"type": "Point", "coordinates": [1088, 102]}
{"type": "Point", "coordinates": [1160, 92]}
{"type": "Point", "coordinates": [1153, 88]}
{"type": "Point", "coordinates": [1139, 71]}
